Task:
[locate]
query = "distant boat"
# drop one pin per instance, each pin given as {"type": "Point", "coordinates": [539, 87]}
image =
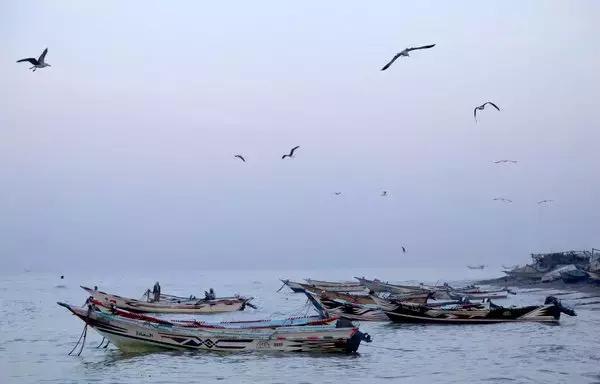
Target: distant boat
{"type": "Point", "coordinates": [476, 266]}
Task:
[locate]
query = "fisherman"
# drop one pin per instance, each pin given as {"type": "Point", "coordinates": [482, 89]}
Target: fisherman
{"type": "Point", "coordinates": [156, 292]}
{"type": "Point", "coordinates": [210, 295]}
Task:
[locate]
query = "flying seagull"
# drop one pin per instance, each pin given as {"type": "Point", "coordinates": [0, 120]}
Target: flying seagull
{"type": "Point", "coordinates": [505, 161]}
{"type": "Point", "coordinates": [37, 63]}
{"type": "Point", "coordinates": [384, 193]}
{"type": "Point", "coordinates": [503, 199]}
{"type": "Point", "coordinates": [405, 53]}
{"type": "Point", "coordinates": [291, 154]}
{"type": "Point", "coordinates": [544, 201]}
{"type": "Point", "coordinates": [337, 193]}
{"type": "Point", "coordinates": [240, 157]}
{"type": "Point", "coordinates": [480, 108]}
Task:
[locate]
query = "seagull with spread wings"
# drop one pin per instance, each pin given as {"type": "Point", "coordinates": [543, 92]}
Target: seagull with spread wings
{"type": "Point", "coordinates": [505, 161]}
{"type": "Point", "coordinates": [482, 106]}
{"type": "Point", "coordinates": [502, 199]}
{"type": "Point", "coordinates": [545, 201]}
{"type": "Point", "coordinates": [405, 54]}
{"type": "Point", "coordinates": [37, 63]}
{"type": "Point", "coordinates": [240, 157]}
{"type": "Point", "coordinates": [291, 154]}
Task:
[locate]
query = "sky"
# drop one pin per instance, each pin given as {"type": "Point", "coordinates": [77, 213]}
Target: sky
{"type": "Point", "coordinates": [121, 153]}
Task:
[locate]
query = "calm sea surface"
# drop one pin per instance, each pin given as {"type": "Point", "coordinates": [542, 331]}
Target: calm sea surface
{"type": "Point", "coordinates": [36, 335]}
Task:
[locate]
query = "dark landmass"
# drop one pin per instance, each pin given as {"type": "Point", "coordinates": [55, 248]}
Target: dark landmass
{"type": "Point", "coordinates": [537, 284]}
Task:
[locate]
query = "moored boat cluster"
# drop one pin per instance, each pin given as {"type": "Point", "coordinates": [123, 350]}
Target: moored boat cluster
{"type": "Point", "coordinates": [130, 324]}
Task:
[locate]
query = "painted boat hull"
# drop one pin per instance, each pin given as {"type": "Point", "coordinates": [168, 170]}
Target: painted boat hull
{"type": "Point", "coordinates": [187, 307]}
{"type": "Point", "coordinates": [135, 335]}
{"type": "Point", "coordinates": [547, 313]}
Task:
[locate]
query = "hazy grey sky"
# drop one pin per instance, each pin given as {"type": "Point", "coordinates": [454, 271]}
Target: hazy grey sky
{"type": "Point", "coordinates": [122, 151]}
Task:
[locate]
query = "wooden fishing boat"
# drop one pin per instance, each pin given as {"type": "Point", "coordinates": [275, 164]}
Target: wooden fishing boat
{"type": "Point", "coordinates": [140, 335]}
{"type": "Point", "coordinates": [416, 313]}
{"type": "Point", "coordinates": [301, 287]}
{"type": "Point", "coordinates": [476, 266]}
{"type": "Point", "coordinates": [378, 286]}
{"type": "Point", "coordinates": [242, 325]}
{"type": "Point", "coordinates": [345, 310]}
{"type": "Point", "coordinates": [332, 284]}
{"type": "Point", "coordinates": [197, 306]}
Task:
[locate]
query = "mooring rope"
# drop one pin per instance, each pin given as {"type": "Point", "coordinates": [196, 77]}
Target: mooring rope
{"type": "Point", "coordinates": [387, 348]}
{"type": "Point", "coordinates": [83, 334]}
{"type": "Point", "coordinates": [102, 342]}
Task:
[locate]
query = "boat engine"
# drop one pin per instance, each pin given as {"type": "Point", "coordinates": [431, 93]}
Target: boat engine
{"type": "Point", "coordinates": [553, 300]}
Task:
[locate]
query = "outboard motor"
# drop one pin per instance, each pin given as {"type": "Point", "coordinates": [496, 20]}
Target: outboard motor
{"type": "Point", "coordinates": [554, 301]}
{"type": "Point", "coordinates": [354, 342]}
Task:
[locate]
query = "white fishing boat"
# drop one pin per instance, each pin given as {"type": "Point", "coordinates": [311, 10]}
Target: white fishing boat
{"type": "Point", "coordinates": [301, 287]}
{"type": "Point", "coordinates": [378, 286]}
{"type": "Point", "coordinates": [195, 306]}
{"type": "Point", "coordinates": [132, 335]}
{"type": "Point", "coordinates": [322, 283]}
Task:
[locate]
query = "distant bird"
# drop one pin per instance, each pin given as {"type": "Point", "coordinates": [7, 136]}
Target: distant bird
{"type": "Point", "coordinates": [62, 277]}
{"type": "Point", "coordinates": [240, 157]}
{"type": "Point", "coordinates": [384, 193]}
{"type": "Point", "coordinates": [544, 201]}
{"type": "Point", "coordinates": [482, 106]}
{"type": "Point", "coordinates": [503, 199]}
{"type": "Point", "coordinates": [337, 193]}
{"type": "Point", "coordinates": [505, 161]}
{"type": "Point", "coordinates": [291, 154]}
{"type": "Point", "coordinates": [405, 53]}
{"type": "Point", "coordinates": [37, 63]}
{"type": "Point", "coordinates": [403, 250]}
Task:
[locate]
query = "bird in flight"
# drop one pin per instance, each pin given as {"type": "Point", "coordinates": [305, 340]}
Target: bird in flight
{"type": "Point", "coordinates": [482, 106]}
{"type": "Point", "coordinates": [505, 161]}
{"type": "Point", "coordinates": [37, 63]}
{"type": "Point", "coordinates": [403, 250]}
{"type": "Point", "coordinates": [502, 199]}
{"type": "Point", "coordinates": [291, 154]}
{"type": "Point", "coordinates": [337, 193]}
{"type": "Point", "coordinates": [544, 201]}
{"type": "Point", "coordinates": [240, 157]}
{"type": "Point", "coordinates": [384, 193]}
{"type": "Point", "coordinates": [405, 53]}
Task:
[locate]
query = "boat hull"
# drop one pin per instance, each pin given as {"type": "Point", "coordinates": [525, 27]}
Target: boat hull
{"type": "Point", "coordinates": [424, 315]}
{"type": "Point", "coordinates": [185, 307]}
{"type": "Point", "coordinates": [135, 335]}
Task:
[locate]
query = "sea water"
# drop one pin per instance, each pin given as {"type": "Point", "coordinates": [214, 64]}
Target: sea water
{"type": "Point", "coordinates": [36, 335]}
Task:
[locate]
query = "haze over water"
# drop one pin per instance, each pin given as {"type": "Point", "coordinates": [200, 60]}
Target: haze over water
{"type": "Point", "coordinates": [117, 168]}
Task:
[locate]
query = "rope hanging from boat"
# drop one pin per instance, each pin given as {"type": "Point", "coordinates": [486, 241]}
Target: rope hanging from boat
{"type": "Point", "coordinates": [83, 334]}
{"type": "Point", "coordinates": [102, 342]}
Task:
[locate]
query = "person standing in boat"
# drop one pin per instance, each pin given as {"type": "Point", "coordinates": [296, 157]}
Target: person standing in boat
{"type": "Point", "coordinates": [210, 295]}
{"type": "Point", "coordinates": [156, 292]}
